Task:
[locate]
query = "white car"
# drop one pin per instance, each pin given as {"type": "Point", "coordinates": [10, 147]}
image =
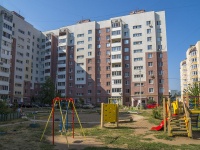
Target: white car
{"type": "Point", "coordinates": [88, 106]}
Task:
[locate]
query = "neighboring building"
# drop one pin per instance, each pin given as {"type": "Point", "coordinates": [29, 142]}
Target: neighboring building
{"type": "Point", "coordinates": [174, 93]}
{"type": "Point", "coordinates": [189, 67]}
{"type": "Point", "coordinates": [91, 60]}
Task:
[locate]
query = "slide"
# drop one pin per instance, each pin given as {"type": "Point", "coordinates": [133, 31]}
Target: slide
{"type": "Point", "coordinates": [159, 127]}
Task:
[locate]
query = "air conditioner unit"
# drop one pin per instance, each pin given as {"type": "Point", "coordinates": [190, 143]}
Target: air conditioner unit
{"type": "Point", "coordinates": [150, 25]}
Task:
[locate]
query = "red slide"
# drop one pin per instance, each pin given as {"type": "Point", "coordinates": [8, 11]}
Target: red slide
{"type": "Point", "coordinates": [159, 127]}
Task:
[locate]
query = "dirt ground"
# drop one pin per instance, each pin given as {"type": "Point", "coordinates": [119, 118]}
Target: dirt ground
{"type": "Point", "coordinates": [141, 126]}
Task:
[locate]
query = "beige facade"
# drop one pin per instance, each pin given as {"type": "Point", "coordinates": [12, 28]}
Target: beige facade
{"type": "Point", "coordinates": [189, 68]}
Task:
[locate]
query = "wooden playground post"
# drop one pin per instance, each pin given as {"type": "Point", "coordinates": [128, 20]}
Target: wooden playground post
{"type": "Point", "coordinates": [169, 116]}
{"type": "Point", "coordinates": [164, 114]}
{"type": "Point", "coordinates": [187, 100]}
{"type": "Point", "coordinates": [102, 122]}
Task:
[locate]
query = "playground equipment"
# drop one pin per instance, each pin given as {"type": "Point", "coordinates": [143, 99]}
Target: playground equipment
{"type": "Point", "coordinates": [178, 119]}
{"type": "Point", "coordinates": [63, 119]}
{"type": "Point", "coordinates": [109, 113]}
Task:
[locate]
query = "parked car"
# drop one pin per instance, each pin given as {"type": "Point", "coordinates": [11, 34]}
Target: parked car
{"type": "Point", "coordinates": [151, 106]}
{"type": "Point", "coordinates": [88, 106]}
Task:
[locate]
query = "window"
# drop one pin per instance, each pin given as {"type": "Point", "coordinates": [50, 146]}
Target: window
{"type": "Point", "coordinates": [107, 52]}
{"type": "Point", "coordinates": [116, 73]}
{"type": "Point", "coordinates": [159, 47]}
{"type": "Point", "coordinates": [158, 22]}
{"type": "Point", "coordinates": [89, 61]}
{"type": "Point", "coordinates": [126, 49]}
{"type": "Point", "coordinates": [126, 65]}
{"type": "Point", "coordinates": [126, 41]}
{"type": "Point", "coordinates": [127, 91]}
{"type": "Point", "coordinates": [161, 90]}
{"type": "Point", "coordinates": [89, 46]}
{"type": "Point", "coordinates": [89, 76]}
{"type": "Point", "coordinates": [89, 38]}
{"type": "Point", "coordinates": [127, 82]}
{"type": "Point", "coordinates": [159, 39]}
{"type": "Point", "coordinates": [150, 64]}
{"type": "Point", "coordinates": [80, 42]}
{"type": "Point", "coordinates": [150, 81]}
{"type": "Point", "coordinates": [160, 64]}
{"type": "Point", "coordinates": [126, 33]}
{"type": "Point", "coordinates": [161, 81]}
{"type": "Point", "coordinates": [107, 30]}
{"type": "Point", "coordinates": [107, 60]}
{"type": "Point", "coordinates": [108, 37]}
{"type": "Point", "coordinates": [126, 57]}
{"type": "Point", "coordinates": [137, 27]}
{"type": "Point", "coordinates": [150, 72]}
{"type": "Point", "coordinates": [89, 31]}
{"type": "Point", "coordinates": [137, 43]}
{"type": "Point", "coordinates": [99, 31]}
{"type": "Point", "coordinates": [137, 51]}
{"type": "Point", "coordinates": [125, 26]}
{"type": "Point", "coordinates": [148, 23]}
{"type": "Point", "coordinates": [98, 38]}
{"type": "Point", "coordinates": [160, 55]}
{"type": "Point", "coordinates": [89, 91]}
{"type": "Point", "coordinates": [98, 45]}
{"type": "Point", "coordinates": [107, 44]}
{"type": "Point", "coordinates": [117, 32]}
{"type": "Point", "coordinates": [107, 67]}
{"type": "Point", "coordinates": [116, 90]}
{"type": "Point", "coordinates": [148, 39]}
{"type": "Point", "coordinates": [160, 72]}
{"type": "Point", "coordinates": [115, 24]}
{"type": "Point", "coordinates": [107, 75]}
{"type": "Point", "coordinates": [80, 35]}
{"type": "Point", "coordinates": [138, 67]}
{"type": "Point", "coordinates": [117, 48]}
{"type": "Point", "coordinates": [137, 34]}
{"type": "Point", "coordinates": [138, 59]}
{"type": "Point", "coordinates": [89, 53]}
{"type": "Point", "coordinates": [148, 31]}
{"type": "Point", "coordinates": [150, 55]}
{"type": "Point", "coordinates": [117, 56]}
{"type": "Point", "coordinates": [151, 90]}
{"type": "Point", "coordinates": [126, 74]}
{"type": "Point", "coordinates": [149, 47]}
{"type": "Point", "coordinates": [158, 30]}
{"type": "Point", "coordinates": [138, 76]}
{"type": "Point", "coordinates": [89, 68]}
{"type": "Point", "coordinates": [107, 83]}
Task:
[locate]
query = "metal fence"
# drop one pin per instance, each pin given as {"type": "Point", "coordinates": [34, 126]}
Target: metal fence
{"type": "Point", "coordinates": [9, 116]}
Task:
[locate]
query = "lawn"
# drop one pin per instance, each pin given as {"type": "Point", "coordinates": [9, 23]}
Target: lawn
{"type": "Point", "coordinates": [24, 136]}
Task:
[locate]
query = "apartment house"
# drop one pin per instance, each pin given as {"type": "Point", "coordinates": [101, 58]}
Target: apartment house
{"type": "Point", "coordinates": [189, 72]}
{"type": "Point", "coordinates": [20, 49]}
{"type": "Point", "coordinates": [124, 58]}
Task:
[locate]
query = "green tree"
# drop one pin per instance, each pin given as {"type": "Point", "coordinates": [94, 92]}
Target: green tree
{"type": "Point", "coordinates": [47, 93]}
{"type": "Point", "coordinates": [193, 90]}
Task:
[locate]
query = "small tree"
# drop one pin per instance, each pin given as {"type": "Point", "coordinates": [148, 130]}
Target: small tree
{"type": "Point", "coordinates": [193, 91]}
{"type": "Point", "coordinates": [47, 92]}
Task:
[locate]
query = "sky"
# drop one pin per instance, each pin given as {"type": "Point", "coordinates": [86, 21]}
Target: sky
{"type": "Point", "coordinates": [182, 20]}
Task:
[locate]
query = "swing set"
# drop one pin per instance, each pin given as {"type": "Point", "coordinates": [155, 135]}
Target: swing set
{"type": "Point", "coordinates": [64, 119]}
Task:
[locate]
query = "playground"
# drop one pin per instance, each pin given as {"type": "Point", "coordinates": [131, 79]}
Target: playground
{"type": "Point", "coordinates": [132, 132]}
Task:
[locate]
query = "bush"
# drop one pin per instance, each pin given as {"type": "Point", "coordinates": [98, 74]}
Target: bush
{"type": "Point", "coordinates": [157, 113]}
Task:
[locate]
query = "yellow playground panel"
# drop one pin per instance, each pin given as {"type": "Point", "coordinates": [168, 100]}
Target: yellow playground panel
{"type": "Point", "coordinates": [109, 113]}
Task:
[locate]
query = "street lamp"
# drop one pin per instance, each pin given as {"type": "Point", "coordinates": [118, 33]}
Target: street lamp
{"type": "Point", "coordinates": [140, 90]}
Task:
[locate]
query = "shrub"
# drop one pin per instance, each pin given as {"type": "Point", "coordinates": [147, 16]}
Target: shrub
{"type": "Point", "coordinates": [157, 112]}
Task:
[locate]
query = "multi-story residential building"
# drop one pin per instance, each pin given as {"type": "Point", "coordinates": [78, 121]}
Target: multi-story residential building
{"type": "Point", "coordinates": [123, 57]}
{"type": "Point", "coordinates": [189, 68]}
{"type": "Point", "coordinates": [20, 49]}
